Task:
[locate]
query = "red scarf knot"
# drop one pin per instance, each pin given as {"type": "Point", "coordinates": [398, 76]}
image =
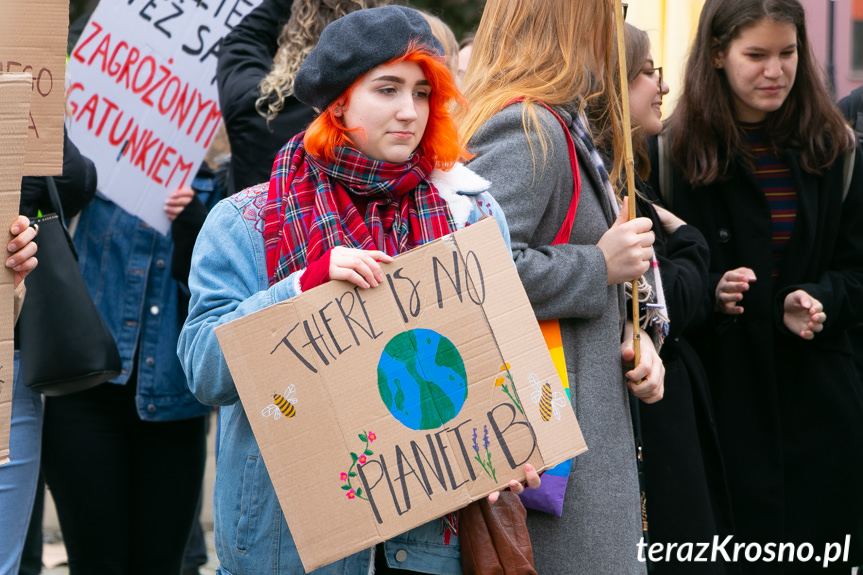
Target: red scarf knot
{"type": "Point", "coordinates": [313, 206]}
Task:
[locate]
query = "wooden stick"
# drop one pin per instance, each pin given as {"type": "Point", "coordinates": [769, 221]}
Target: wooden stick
{"type": "Point", "coordinates": [629, 162]}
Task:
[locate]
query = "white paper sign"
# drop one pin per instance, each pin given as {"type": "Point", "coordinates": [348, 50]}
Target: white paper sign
{"type": "Point", "coordinates": [143, 95]}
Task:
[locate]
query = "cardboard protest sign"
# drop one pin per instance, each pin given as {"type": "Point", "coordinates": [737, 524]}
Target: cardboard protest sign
{"type": "Point", "coordinates": [15, 90]}
{"type": "Point", "coordinates": [33, 41]}
{"type": "Point", "coordinates": [143, 96]}
{"type": "Point", "coordinates": [392, 406]}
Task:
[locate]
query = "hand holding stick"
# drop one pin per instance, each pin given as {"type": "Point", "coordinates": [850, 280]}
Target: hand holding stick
{"type": "Point", "coordinates": [629, 163]}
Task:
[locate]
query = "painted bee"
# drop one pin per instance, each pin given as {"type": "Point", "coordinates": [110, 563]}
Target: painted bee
{"type": "Point", "coordinates": [549, 403]}
{"type": "Point", "coordinates": [283, 404]}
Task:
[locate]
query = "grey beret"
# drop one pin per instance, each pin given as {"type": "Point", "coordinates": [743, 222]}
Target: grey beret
{"type": "Point", "coordinates": [354, 44]}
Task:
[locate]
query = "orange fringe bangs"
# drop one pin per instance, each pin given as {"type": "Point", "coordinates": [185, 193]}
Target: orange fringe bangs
{"type": "Point", "coordinates": [440, 142]}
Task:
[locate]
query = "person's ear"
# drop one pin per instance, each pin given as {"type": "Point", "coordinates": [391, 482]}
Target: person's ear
{"type": "Point", "coordinates": [339, 109]}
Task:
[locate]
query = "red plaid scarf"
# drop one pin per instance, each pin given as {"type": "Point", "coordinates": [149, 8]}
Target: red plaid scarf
{"type": "Point", "coordinates": [310, 207]}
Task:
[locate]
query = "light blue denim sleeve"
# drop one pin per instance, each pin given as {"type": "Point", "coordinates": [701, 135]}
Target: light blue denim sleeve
{"type": "Point", "coordinates": [227, 281]}
{"type": "Point", "coordinates": [487, 206]}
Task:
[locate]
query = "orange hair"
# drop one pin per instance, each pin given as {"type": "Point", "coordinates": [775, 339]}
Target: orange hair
{"type": "Point", "coordinates": [440, 142]}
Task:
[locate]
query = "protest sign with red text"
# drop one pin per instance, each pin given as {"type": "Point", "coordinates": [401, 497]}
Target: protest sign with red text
{"type": "Point", "coordinates": [143, 95]}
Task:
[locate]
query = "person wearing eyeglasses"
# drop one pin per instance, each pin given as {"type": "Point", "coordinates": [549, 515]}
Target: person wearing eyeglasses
{"type": "Point", "coordinates": [686, 494]}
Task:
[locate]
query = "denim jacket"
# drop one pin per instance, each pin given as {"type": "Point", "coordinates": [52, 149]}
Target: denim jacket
{"type": "Point", "coordinates": [127, 267]}
{"type": "Point", "coordinates": [229, 280]}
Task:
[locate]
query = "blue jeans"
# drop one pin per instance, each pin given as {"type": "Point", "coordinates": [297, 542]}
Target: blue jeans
{"type": "Point", "coordinates": [18, 477]}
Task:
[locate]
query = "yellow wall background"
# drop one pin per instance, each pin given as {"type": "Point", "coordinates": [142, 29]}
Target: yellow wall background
{"type": "Point", "coordinates": [671, 25]}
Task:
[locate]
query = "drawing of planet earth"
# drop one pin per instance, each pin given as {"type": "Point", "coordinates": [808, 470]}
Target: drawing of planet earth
{"type": "Point", "coordinates": [421, 379]}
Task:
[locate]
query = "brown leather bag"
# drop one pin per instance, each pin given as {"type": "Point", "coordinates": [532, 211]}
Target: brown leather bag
{"type": "Point", "coordinates": [493, 537]}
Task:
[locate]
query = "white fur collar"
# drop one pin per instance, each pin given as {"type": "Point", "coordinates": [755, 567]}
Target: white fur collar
{"type": "Point", "coordinates": [456, 187]}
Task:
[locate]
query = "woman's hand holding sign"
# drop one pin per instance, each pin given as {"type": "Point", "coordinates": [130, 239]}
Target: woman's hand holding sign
{"type": "Point", "coordinates": [532, 480]}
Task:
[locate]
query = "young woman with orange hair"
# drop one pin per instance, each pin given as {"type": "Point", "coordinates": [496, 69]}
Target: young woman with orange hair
{"type": "Point", "coordinates": [375, 175]}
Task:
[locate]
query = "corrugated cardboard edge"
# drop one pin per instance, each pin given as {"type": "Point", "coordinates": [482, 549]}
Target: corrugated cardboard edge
{"type": "Point", "coordinates": [566, 448]}
{"type": "Point", "coordinates": [531, 338]}
{"type": "Point", "coordinates": [33, 37]}
{"type": "Point", "coordinates": [14, 118]}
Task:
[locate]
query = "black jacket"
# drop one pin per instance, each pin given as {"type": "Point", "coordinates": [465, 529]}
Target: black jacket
{"type": "Point", "coordinates": [687, 497]}
{"type": "Point", "coordinates": [852, 108]}
{"type": "Point", "coordinates": [245, 58]}
{"type": "Point", "coordinates": [76, 186]}
{"type": "Point", "coordinates": [789, 411]}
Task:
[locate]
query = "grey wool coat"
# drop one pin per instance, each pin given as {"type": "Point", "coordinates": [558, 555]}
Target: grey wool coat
{"type": "Point", "coordinates": [601, 523]}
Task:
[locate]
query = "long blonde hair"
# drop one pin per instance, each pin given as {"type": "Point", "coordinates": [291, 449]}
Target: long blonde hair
{"type": "Point", "coordinates": [543, 51]}
{"type": "Point", "coordinates": [444, 33]}
{"type": "Point", "coordinates": [297, 38]}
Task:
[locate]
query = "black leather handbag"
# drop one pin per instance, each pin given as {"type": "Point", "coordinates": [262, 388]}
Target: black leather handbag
{"type": "Point", "coordinates": [64, 343]}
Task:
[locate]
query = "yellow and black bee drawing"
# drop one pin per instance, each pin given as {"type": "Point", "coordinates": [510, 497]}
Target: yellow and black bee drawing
{"type": "Point", "coordinates": [549, 403]}
{"type": "Point", "coordinates": [283, 404]}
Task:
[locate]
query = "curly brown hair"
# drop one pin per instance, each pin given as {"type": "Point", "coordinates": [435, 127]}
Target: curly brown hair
{"type": "Point", "coordinates": [299, 35]}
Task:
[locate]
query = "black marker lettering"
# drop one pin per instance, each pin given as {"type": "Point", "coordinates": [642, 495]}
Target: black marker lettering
{"type": "Point", "coordinates": [158, 23]}
{"type": "Point", "coordinates": [195, 51]}
{"type": "Point", "coordinates": [470, 277]}
{"type": "Point", "coordinates": [413, 302]}
{"type": "Point", "coordinates": [371, 333]}
{"type": "Point", "coordinates": [499, 433]}
{"type": "Point", "coordinates": [313, 340]}
{"type": "Point", "coordinates": [456, 284]}
{"type": "Point", "coordinates": [327, 321]}
{"type": "Point", "coordinates": [287, 343]}
{"type": "Point", "coordinates": [361, 472]}
{"type": "Point", "coordinates": [464, 452]}
{"type": "Point", "coordinates": [434, 465]}
{"type": "Point", "coordinates": [442, 449]}
{"type": "Point", "coordinates": [401, 463]}
{"type": "Point", "coordinates": [149, 3]}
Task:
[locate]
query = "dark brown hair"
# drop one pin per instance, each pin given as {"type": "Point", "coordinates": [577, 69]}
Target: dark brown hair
{"type": "Point", "coordinates": [704, 134]}
{"type": "Point", "coordinates": [597, 109]}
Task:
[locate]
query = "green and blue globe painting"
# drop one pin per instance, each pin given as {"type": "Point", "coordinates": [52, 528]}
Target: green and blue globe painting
{"type": "Point", "coordinates": [421, 379]}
